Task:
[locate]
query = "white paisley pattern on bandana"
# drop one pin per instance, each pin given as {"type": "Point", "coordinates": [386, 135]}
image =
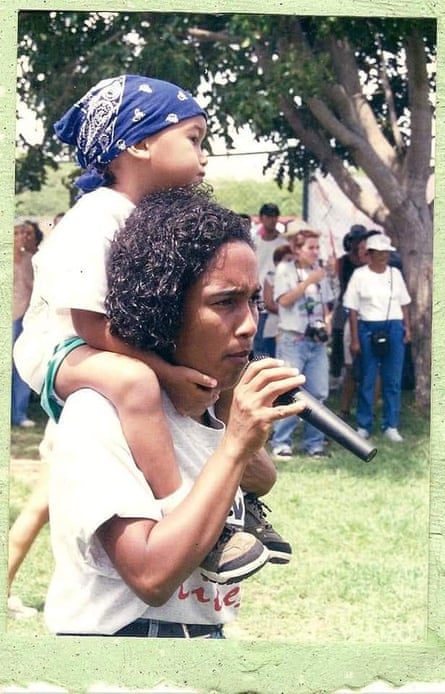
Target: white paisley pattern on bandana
{"type": "Point", "coordinates": [101, 108]}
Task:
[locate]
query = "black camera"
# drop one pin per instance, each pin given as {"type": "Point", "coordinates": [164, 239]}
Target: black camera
{"type": "Point", "coordinates": [317, 331]}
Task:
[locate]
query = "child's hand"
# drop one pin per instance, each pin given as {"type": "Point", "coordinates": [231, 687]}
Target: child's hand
{"type": "Point", "coordinates": [190, 391]}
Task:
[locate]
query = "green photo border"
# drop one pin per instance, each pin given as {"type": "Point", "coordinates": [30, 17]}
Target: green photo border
{"type": "Point", "coordinates": [231, 666]}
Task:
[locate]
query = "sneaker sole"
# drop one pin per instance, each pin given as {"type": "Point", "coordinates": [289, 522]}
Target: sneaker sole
{"type": "Point", "coordinates": [240, 573]}
{"type": "Point", "coordinates": [277, 557]}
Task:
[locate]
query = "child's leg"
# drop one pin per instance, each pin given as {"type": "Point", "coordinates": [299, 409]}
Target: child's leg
{"type": "Point", "coordinates": [134, 390]}
{"type": "Point", "coordinates": [27, 525]}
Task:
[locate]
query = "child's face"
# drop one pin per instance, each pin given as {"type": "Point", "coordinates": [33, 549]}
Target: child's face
{"type": "Point", "coordinates": [176, 154]}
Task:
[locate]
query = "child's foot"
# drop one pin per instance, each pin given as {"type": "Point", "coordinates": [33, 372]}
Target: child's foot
{"type": "Point", "coordinates": [236, 556]}
{"type": "Point", "coordinates": [17, 610]}
{"type": "Point", "coordinates": [255, 523]}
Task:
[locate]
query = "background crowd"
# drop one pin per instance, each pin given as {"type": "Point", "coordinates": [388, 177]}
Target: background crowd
{"type": "Point", "coordinates": [319, 321]}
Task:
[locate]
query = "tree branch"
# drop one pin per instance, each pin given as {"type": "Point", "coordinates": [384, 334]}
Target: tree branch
{"type": "Point", "coordinates": [345, 66]}
{"type": "Point", "coordinates": [369, 203]}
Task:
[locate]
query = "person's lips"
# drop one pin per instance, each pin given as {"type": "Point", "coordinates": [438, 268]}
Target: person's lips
{"type": "Point", "coordinates": [240, 357]}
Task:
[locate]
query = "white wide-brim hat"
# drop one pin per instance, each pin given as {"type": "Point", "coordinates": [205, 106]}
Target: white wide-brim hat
{"type": "Point", "coordinates": [294, 227]}
{"type": "Point", "coordinates": [379, 242]}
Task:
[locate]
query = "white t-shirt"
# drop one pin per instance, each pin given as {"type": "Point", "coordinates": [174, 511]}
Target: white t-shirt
{"type": "Point", "coordinates": [69, 272]}
{"type": "Point", "coordinates": [94, 477]}
{"type": "Point", "coordinates": [372, 293]}
{"type": "Point", "coordinates": [264, 253]}
{"type": "Point", "coordinates": [295, 317]}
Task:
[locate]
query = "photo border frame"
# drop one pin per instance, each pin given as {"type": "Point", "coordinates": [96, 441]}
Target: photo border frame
{"type": "Point", "coordinates": [231, 666]}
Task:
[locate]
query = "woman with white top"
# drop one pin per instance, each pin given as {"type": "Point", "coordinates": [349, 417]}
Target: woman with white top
{"type": "Point", "coordinates": [378, 300]}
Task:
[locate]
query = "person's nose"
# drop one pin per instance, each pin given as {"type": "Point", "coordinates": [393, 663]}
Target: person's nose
{"type": "Point", "coordinates": [203, 157]}
{"type": "Point", "coordinates": [249, 321]}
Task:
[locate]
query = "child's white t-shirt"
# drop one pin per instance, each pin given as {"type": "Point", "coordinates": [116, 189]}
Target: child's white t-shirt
{"type": "Point", "coordinates": [69, 272]}
{"type": "Point", "coordinates": [93, 477]}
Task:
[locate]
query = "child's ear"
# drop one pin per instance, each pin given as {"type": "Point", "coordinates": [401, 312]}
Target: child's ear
{"type": "Point", "coordinates": [140, 149]}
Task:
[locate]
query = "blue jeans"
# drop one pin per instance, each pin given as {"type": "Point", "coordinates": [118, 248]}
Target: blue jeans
{"type": "Point", "coordinates": [311, 358]}
{"type": "Point", "coordinates": [391, 367]}
{"type": "Point", "coordinates": [263, 346]}
{"type": "Point", "coordinates": [20, 391]}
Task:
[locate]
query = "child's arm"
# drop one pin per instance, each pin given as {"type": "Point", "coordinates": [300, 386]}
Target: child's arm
{"type": "Point", "coordinates": [182, 384]}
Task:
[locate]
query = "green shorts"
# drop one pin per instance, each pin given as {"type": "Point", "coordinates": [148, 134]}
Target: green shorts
{"type": "Point", "coordinates": [49, 401]}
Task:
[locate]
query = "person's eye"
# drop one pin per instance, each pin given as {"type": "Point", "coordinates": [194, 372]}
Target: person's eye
{"type": "Point", "coordinates": [258, 303]}
{"type": "Point", "coordinates": [225, 302]}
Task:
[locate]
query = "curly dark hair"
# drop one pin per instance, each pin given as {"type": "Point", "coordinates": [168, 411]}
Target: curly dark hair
{"type": "Point", "coordinates": [166, 244]}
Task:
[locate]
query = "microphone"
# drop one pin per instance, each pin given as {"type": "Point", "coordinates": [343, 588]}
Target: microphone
{"type": "Point", "coordinates": [325, 420]}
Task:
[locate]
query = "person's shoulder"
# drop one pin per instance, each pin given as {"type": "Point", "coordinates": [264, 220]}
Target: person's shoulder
{"type": "Point", "coordinates": [285, 269]}
{"type": "Point", "coordinates": [103, 200]}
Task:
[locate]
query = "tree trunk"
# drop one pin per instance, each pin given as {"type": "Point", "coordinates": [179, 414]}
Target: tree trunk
{"type": "Point", "coordinates": [414, 226]}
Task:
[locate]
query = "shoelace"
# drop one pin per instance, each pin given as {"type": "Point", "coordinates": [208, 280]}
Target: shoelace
{"type": "Point", "coordinates": [260, 507]}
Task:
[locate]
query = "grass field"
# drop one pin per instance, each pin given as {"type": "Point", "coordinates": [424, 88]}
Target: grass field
{"type": "Point", "coordinates": [359, 537]}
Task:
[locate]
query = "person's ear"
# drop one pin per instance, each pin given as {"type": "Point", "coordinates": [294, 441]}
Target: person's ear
{"type": "Point", "coordinates": [141, 149]}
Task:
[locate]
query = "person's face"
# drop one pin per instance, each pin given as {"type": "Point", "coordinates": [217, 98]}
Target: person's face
{"type": "Point", "coordinates": [378, 260]}
{"type": "Point", "coordinates": [221, 315]}
{"type": "Point", "coordinates": [176, 154]}
{"type": "Point", "coordinates": [308, 253]}
{"type": "Point", "coordinates": [19, 236]}
{"type": "Point", "coordinates": [29, 238]}
{"type": "Point", "coordinates": [361, 252]}
{"type": "Point", "coordinates": [269, 222]}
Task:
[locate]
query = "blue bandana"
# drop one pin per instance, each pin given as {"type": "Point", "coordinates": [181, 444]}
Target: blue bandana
{"type": "Point", "coordinates": [118, 113]}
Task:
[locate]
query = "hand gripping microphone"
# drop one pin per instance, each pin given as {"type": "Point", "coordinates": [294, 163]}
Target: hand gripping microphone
{"type": "Point", "coordinates": [325, 420]}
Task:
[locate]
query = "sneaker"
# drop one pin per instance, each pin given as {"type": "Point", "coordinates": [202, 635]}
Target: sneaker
{"type": "Point", "coordinates": [393, 435]}
{"type": "Point", "coordinates": [255, 523]}
{"type": "Point", "coordinates": [236, 556]}
{"type": "Point", "coordinates": [284, 452]}
{"type": "Point", "coordinates": [27, 423]}
{"type": "Point", "coordinates": [318, 454]}
{"type": "Point", "coordinates": [17, 610]}
{"type": "Point", "coordinates": [363, 433]}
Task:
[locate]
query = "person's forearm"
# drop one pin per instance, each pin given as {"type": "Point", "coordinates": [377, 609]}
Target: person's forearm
{"type": "Point", "coordinates": [407, 322]}
{"type": "Point", "coordinates": [156, 569]}
{"type": "Point", "coordinates": [353, 323]}
{"type": "Point", "coordinates": [290, 297]}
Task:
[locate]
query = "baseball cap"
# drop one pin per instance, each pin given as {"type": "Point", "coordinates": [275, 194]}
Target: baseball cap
{"type": "Point", "coordinates": [270, 209]}
{"type": "Point", "coordinates": [379, 242]}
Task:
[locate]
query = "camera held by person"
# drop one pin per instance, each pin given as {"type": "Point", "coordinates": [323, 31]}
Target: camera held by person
{"type": "Point", "coordinates": [317, 331]}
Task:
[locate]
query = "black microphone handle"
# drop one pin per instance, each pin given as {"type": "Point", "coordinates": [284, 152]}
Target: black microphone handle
{"type": "Point", "coordinates": [326, 421]}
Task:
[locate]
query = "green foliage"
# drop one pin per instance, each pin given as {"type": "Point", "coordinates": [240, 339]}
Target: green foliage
{"type": "Point", "coordinates": [247, 196]}
{"type": "Point", "coordinates": [53, 196]}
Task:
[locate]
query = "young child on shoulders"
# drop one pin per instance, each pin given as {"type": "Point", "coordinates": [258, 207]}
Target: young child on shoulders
{"type": "Point", "coordinates": [133, 136]}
